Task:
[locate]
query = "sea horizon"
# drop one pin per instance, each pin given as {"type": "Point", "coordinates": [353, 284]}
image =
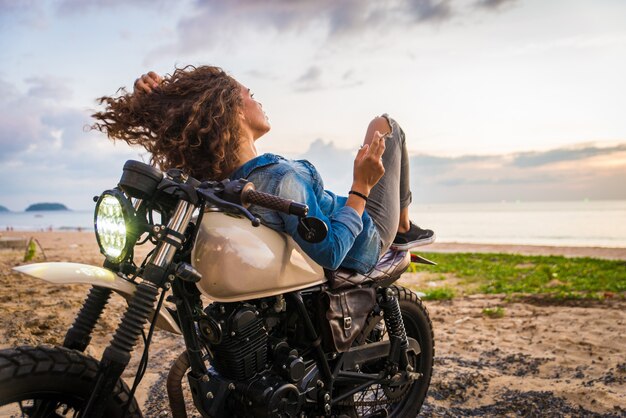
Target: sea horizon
{"type": "Point", "coordinates": [586, 223]}
{"type": "Point", "coordinates": [490, 202]}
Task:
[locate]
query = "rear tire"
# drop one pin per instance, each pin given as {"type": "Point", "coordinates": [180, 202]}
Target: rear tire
{"type": "Point", "coordinates": [418, 326]}
{"type": "Point", "coordinates": [58, 378]}
{"type": "Point", "coordinates": [405, 401]}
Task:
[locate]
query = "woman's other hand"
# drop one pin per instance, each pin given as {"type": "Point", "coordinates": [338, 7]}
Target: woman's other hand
{"type": "Point", "coordinates": [368, 166]}
{"type": "Point", "coordinates": [147, 83]}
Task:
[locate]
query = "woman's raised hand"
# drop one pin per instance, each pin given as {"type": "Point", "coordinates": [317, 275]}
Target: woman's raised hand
{"type": "Point", "coordinates": [147, 82]}
{"type": "Point", "coordinates": [368, 166]}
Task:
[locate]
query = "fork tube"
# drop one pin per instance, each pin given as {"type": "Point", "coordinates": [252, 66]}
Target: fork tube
{"type": "Point", "coordinates": [117, 355]}
{"type": "Point", "coordinates": [178, 223]}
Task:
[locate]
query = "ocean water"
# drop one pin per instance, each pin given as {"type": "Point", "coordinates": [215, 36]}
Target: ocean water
{"type": "Point", "coordinates": [584, 223]}
{"type": "Point", "coordinates": [47, 220]}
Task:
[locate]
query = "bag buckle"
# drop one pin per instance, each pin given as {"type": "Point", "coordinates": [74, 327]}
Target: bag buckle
{"type": "Point", "coordinates": [347, 322]}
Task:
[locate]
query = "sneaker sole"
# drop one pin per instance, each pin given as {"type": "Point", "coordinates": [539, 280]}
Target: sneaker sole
{"type": "Point", "coordinates": [413, 244]}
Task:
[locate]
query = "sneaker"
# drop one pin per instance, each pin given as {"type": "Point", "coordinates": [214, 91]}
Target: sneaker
{"type": "Point", "coordinates": [414, 237]}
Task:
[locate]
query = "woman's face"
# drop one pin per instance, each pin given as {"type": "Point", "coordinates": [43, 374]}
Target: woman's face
{"type": "Point", "coordinates": [253, 118]}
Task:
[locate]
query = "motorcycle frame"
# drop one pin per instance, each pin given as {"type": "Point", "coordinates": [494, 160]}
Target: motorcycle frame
{"type": "Point", "coordinates": [329, 376]}
{"type": "Point", "coordinates": [158, 276]}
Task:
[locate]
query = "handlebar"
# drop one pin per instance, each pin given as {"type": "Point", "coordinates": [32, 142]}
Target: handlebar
{"type": "Point", "coordinates": [270, 201]}
{"type": "Point", "coordinates": [144, 182]}
{"type": "Point", "coordinates": [237, 195]}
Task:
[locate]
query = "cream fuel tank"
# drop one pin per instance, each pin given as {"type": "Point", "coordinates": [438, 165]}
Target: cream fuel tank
{"type": "Point", "coordinates": [239, 261]}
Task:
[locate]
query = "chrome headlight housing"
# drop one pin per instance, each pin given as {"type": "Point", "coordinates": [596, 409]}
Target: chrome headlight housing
{"type": "Point", "coordinates": [115, 225]}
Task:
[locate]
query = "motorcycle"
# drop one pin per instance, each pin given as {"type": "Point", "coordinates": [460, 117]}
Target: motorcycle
{"type": "Point", "coordinates": [281, 336]}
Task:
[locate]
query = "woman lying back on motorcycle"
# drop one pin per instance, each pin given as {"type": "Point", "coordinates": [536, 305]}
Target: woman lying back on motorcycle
{"type": "Point", "coordinates": [205, 122]}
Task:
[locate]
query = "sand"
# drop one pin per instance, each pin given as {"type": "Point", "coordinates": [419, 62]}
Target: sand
{"type": "Point", "coordinates": [538, 359]}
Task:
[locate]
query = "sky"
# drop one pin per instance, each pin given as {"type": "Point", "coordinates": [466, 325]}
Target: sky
{"type": "Point", "coordinates": [499, 99]}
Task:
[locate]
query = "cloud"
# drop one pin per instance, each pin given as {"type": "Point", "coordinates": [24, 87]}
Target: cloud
{"type": "Point", "coordinates": [494, 4]}
{"type": "Point", "coordinates": [49, 88]}
{"type": "Point", "coordinates": [310, 80]}
{"type": "Point", "coordinates": [349, 16]}
{"type": "Point", "coordinates": [29, 13]}
{"type": "Point", "coordinates": [536, 159]}
{"type": "Point", "coordinates": [12, 6]}
{"type": "Point", "coordinates": [215, 21]}
{"type": "Point", "coordinates": [21, 126]}
{"type": "Point", "coordinates": [430, 10]}
{"type": "Point", "coordinates": [313, 79]}
{"type": "Point", "coordinates": [29, 120]}
{"type": "Point", "coordinates": [333, 163]}
{"type": "Point", "coordinates": [46, 154]}
{"type": "Point", "coordinates": [262, 74]}
{"type": "Point", "coordinates": [561, 174]}
{"type": "Point", "coordinates": [82, 6]}
{"type": "Point", "coordinates": [7, 91]}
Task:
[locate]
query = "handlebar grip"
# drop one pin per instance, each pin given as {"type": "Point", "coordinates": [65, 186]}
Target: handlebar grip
{"type": "Point", "coordinates": [273, 202]}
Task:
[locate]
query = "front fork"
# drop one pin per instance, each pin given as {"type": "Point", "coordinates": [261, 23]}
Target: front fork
{"type": "Point", "coordinates": [79, 335]}
{"type": "Point", "coordinates": [117, 355]}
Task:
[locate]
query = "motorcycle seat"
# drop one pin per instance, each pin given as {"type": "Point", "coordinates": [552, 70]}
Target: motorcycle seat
{"type": "Point", "coordinates": [388, 269]}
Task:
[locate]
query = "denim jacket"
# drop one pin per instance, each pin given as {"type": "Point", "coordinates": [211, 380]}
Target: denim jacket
{"type": "Point", "coordinates": [352, 241]}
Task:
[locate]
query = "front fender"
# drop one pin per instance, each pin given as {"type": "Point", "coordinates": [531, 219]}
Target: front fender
{"type": "Point", "coordinates": [76, 273]}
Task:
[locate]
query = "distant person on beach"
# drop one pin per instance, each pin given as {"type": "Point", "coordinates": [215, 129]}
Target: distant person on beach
{"type": "Point", "coordinates": [203, 121]}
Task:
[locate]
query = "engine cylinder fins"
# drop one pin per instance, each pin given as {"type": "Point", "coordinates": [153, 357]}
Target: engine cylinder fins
{"type": "Point", "coordinates": [242, 349]}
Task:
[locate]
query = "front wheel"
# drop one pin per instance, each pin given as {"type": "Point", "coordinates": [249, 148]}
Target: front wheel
{"type": "Point", "coordinates": [403, 401]}
{"type": "Point", "coordinates": [54, 382]}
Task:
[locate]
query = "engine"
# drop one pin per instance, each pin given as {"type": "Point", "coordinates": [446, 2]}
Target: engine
{"type": "Point", "coordinates": [240, 342]}
{"type": "Point", "coordinates": [253, 372]}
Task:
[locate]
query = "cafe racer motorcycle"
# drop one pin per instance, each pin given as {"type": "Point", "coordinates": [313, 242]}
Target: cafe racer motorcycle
{"type": "Point", "coordinates": [267, 331]}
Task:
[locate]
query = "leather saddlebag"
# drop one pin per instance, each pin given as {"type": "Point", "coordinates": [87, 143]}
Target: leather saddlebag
{"type": "Point", "coordinates": [346, 314]}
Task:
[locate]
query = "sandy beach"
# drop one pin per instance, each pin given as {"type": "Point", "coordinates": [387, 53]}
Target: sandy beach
{"type": "Point", "coordinates": [538, 360]}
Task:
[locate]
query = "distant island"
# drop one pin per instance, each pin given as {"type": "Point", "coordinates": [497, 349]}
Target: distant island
{"type": "Point", "coordinates": [46, 206]}
{"type": "Point", "coordinates": [3, 209]}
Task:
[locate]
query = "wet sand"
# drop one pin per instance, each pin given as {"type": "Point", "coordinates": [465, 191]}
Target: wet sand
{"type": "Point", "coordinates": [537, 360]}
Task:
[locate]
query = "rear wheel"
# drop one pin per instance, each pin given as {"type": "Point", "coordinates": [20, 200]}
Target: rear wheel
{"type": "Point", "coordinates": [406, 400]}
{"type": "Point", "coordinates": [54, 382]}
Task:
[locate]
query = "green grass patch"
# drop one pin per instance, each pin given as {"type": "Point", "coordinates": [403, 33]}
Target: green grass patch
{"type": "Point", "coordinates": [556, 276]}
{"type": "Point", "coordinates": [439, 293]}
{"type": "Point", "coordinates": [497, 312]}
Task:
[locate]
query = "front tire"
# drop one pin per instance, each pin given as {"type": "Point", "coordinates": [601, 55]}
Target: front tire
{"type": "Point", "coordinates": [56, 380]}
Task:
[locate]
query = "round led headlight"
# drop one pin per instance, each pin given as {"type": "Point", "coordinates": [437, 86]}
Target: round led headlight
{"type": "Point", "coordinates": [114, 224]}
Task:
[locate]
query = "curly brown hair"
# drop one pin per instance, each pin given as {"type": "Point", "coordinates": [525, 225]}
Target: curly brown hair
{"type": "Point", "coordinates": [190, 121]}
